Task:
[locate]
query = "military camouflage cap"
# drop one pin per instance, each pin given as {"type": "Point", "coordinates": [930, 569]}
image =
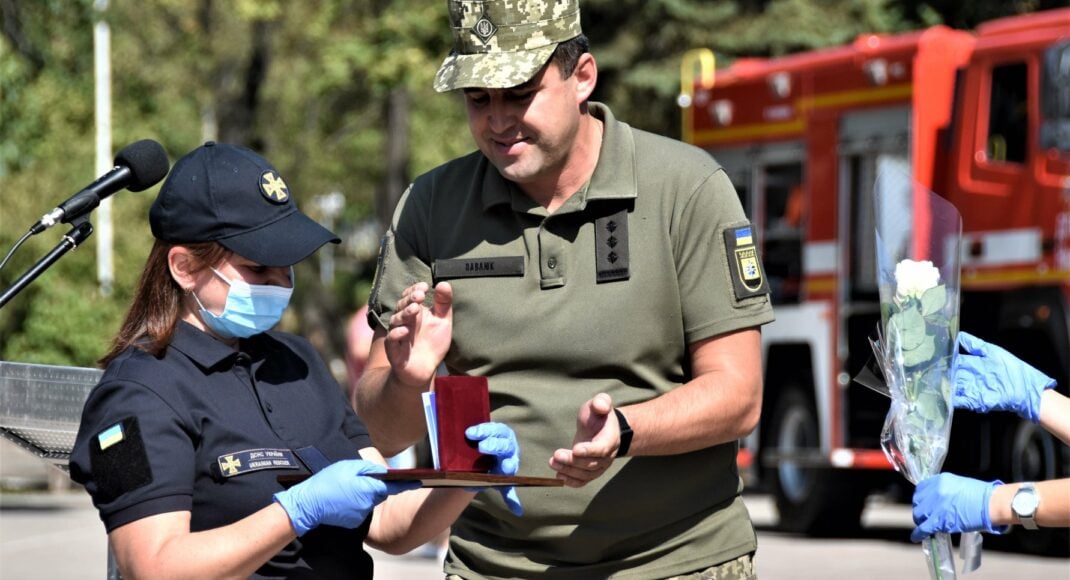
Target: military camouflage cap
{"type": "Point", "coordinates": [502, 43]}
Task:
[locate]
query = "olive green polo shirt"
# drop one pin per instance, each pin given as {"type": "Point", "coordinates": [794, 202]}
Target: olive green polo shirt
{"type": "Point", "coordinates": [603, 295]}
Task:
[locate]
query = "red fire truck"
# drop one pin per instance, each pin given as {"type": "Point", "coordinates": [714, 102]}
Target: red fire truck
{"type": "Point", "coordinates": [981, 118]}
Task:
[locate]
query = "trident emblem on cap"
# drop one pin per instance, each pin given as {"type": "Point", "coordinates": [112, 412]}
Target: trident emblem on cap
{"type": "Point", "coordinates": [273, 187]}
{"type": "Point", "coordinates": [484, 29]}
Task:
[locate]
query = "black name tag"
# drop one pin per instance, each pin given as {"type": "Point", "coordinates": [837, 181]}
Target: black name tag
{"type": "Point", "coordinates": [240, 462]}
{"type": "Point", "coordinates": [478, 267]}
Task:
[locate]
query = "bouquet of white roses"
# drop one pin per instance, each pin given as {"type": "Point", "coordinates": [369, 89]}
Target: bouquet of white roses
{"type": "Point", "coordinates": [918, 235]}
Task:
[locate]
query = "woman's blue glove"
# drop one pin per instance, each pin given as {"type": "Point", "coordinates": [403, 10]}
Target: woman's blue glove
{"type": "Point", "coordinates": [498, 439]}
{"type": "Point", "coordinates": [950, 503]}
{"type": "Point", "coordinates": [339, 495]}
{"type": "Point", "coordinates": [989, 378]}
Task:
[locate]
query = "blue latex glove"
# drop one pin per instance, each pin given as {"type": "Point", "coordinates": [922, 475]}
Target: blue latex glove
{"type": "Point", "coordinates": [339, 495]}
{"type": "Point", "coordinates": [989, 378]}
{"type": "Point", "coordinates": [950, 503]}
{"type": "Point", "coordinates": [499, 440]}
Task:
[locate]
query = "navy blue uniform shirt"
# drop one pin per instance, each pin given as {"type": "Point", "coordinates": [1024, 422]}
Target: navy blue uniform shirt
{"type": "Point", "coordinates": [208, 429]}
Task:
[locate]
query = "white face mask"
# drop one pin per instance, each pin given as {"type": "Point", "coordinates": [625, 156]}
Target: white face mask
{"type": "Point", "coordinates": [250, 308]}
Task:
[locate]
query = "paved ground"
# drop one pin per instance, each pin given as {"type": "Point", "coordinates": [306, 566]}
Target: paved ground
{"type": "Point", "coordinates": [58, 536]}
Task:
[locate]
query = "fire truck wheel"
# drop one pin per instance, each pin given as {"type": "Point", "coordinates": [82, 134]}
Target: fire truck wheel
{"type": "Point", "coordinates": [810, 500]}
{"type": "Point", "coordinates": [1031, 453]}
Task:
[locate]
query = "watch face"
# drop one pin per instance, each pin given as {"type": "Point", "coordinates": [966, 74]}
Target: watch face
{"type": "Point", "coordinates": [1024, 502]}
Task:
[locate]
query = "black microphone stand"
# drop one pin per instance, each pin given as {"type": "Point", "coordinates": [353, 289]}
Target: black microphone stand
{"type": "Point", "coordinates": [79, 233]}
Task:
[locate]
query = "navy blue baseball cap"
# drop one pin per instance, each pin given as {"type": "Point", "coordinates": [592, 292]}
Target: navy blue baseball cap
{"type": "Point", "coordinates": [230, 195]}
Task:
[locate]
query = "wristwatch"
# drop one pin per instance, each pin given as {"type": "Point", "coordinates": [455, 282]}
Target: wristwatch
{"type": "Point", "coordinates": [1025, 504]}
{"type": "Point", "coordinates": [625, 433]}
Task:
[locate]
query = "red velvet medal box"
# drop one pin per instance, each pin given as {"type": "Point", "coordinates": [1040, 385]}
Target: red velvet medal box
{"type": "Point", "coordinates": [461, 402]}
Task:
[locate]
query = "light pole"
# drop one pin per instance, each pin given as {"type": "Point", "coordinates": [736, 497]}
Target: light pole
{"type": "Point", "coordinates": [328, 206]}
{"type": "Point", "coordinates": [102, 97]}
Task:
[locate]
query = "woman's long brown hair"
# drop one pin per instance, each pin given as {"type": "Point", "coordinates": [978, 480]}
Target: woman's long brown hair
{"type": "Point", "coordinates": [150, 323]}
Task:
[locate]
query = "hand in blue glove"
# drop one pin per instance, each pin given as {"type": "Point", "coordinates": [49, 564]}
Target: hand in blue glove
{"type": "Point", "coordinates": [950, 503]}
{"type": "Point", "coordinates": [989, 378]}
{"type": "Point", "coordinates": [498, 439]}
{"type": "Point", "coordinates": [339, 495]}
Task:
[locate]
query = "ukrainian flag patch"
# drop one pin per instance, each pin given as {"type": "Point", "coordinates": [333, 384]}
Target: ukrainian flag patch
{"type": "Point", "coordinates": [743, 237]}
{"type": "Point", "coordinates": [110, 436]}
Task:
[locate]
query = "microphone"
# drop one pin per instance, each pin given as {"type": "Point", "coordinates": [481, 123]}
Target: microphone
{"type": "Point", "coordinates": [138, 166]}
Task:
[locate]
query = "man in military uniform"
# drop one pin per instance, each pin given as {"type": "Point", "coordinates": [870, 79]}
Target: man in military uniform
{"type": "Point", "coordinates": [606, 282]}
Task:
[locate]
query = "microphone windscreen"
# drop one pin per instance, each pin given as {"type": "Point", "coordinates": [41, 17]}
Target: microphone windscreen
{"type": "Point", "coordinates": [147, 162]}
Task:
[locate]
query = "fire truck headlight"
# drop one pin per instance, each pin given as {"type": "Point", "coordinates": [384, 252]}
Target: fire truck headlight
{"type": "Point", "coordinates": [877, 71]}
{"type": "Point", "coordinates": [780, 85]}
{"type": "Point", "coordinates": [721, 112]}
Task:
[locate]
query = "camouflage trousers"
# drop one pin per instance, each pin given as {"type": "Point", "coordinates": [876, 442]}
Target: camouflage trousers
{"type": "Point", "coordinates": [742, 568]}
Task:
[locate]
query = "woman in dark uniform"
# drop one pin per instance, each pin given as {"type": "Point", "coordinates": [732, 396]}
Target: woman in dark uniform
{"type": "Point", "coordinates": [201, 408]}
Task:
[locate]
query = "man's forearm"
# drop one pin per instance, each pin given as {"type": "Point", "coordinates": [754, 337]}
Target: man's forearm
{"type": "Point", "coordinates": [393, 412]}
{"type": "Point", "coordinates": [720, 404]}
{"type": "Point", "coordinates": [691, 417]}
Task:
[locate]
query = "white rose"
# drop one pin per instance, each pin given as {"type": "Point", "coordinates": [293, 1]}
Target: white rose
{"type": "Point", "coordinates": [912, 278]}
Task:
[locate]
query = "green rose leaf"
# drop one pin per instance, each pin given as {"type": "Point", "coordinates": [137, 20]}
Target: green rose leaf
{"type": "Point", "coordinates": [910, 328]}
{"type": "Point", "coordinates": [915, 447]}
{"type": "Point", "coordinates": [937, 321]}
{"type": "Point", "coordinates": [915, 423]}
{"type": "Point", "coordinates": [933, 300]}
{"type": "Point", "coordinates": [921, 353]}
{"type": "Point", "coordinates": [932, 407]}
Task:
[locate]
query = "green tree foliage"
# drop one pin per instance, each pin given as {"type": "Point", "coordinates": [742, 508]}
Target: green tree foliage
{"type": "Point", "coordinates": [337, 94]}
{"type": "Point", "coordinates": [968, 15]}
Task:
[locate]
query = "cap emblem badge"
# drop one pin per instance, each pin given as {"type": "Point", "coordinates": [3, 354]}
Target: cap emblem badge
{"type": "Point", "coordinates": [484, 29]}
{"type": "Point", "coordinates": [273, 187]}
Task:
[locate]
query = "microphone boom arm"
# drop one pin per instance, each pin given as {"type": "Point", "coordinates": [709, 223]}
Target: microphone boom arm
{"type": "Point", "coordinates": [79, 233]}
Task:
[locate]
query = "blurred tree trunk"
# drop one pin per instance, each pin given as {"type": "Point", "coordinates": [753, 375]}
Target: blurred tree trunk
{"type": "Point", "coordinates": [238, 121]}
{"type": "Point", "coordinates": [210, 109]}
{"type": "Point", "coordinates": [230, 114]}
{"type": "Point", "coordinates": [12, 28]}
